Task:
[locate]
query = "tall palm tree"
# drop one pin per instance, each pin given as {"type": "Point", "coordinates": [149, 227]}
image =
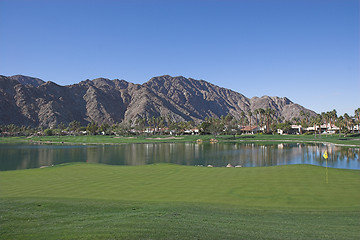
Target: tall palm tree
{"type": "Point", "coordinates": [262, 113]}
{"type": "Point", "coordinates": [333, 116]}
{"type": "Point", "coordinates": [269, 113]}
{"type": "Point", "coordinates": [257, 113]}
{"type": "Point", "coordinates": [340, 123]}
{"type": "Point", "coordinates": [242, 118]}
{"type": "Point", "coordinates": [357, 118]}
{"type": "Point", "coordinates": [316, 121]}
{"type": "Point", "coordinates": [347, 119]}
{"type": "Point", "coordinates": [302, 114]}
{"type": "Point", "coordinates": [249, 113]}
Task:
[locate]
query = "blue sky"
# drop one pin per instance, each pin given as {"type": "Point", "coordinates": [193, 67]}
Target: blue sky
{"type": "Point", "coordinates": [306, 50]}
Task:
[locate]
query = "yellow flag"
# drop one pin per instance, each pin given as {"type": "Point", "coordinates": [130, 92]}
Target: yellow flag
{"type": "Point", "coordinates": [325, 155]}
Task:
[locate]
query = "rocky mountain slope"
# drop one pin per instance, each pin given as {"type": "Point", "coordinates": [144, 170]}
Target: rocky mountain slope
{"type": "Point", "coordinates": [31, 101]}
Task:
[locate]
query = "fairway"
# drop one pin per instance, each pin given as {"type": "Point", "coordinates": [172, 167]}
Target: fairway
{"type": "Point", "coordinates": [180, 202]}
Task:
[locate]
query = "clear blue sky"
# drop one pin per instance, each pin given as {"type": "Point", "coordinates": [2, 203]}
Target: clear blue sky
{"type": "Point", "coordinates": [306, 50]}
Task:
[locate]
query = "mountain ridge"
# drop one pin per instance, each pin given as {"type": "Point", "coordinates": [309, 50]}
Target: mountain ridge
{"type": "Point", "coordinates": [32, 101]}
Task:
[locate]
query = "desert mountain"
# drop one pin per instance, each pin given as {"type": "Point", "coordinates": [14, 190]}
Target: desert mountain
{"type": "Point", "coordinates": [31, 101]}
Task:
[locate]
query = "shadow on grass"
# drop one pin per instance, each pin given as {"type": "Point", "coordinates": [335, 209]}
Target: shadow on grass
{"type": "Point", "coordinates": [354, 135]}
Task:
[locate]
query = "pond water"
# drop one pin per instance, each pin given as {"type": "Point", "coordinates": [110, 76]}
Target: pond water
{"type": "Point", "coordinates": [20, 156]}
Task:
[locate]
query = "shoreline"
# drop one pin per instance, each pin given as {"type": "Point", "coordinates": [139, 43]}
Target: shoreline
{"type": "Point", "coordinates": [199, 139]}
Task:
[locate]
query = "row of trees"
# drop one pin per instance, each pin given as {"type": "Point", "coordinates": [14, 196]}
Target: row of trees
{"type": "Point", "coordinates": [266, 118]}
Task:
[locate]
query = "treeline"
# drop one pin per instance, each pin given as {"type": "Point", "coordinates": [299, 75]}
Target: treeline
{"type": "Point", "coordinates": [265, 119]}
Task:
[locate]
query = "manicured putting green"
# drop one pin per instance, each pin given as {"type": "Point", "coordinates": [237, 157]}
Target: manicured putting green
{"type": "Point", "coordinates": [292, 186]}
{"type": "Point", "coordinates": [92, 201]}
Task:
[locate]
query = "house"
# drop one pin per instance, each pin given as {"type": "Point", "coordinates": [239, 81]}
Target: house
{"type": "Point", "coordinates": [324, 128]}
{"type": "Point", "coordinates": [192, 131]}
{"type": "Point", "coordinates": [296, 129]}
{"type": "Point", "coordinates": [250, 129]}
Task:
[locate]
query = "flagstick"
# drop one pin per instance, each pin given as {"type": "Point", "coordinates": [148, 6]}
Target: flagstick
{"type": "Point", "coordinates": [326, 157]}
{"type": "Point", "coordinates": [327, 179]}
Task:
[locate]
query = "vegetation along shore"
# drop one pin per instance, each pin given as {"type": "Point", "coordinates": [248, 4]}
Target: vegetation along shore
{"type": "Point", "coordinates": [351, 140]}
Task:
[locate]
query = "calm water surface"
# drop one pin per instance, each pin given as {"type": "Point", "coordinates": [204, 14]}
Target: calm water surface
{"type": "Point", "coordinates": [21, 156]}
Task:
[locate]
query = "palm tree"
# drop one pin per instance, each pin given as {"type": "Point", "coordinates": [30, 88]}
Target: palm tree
{"type": "Point", "coordinates": [140, 122]}
{"type": "Point", "coordinates": [269, 113]}
{"type": "Point", "coordinates": [317, 122]}
{"type": "Point", "coordinates": [347, 119]}
{"type": "Point", "coordinates": [340, 123]}
{"type": "Point", "coordinates": [357, 118]}
{"type": "Point", "coordinates": [328, 119]}
{"type": "Point", "coordinates": [302, 114]}
{"type": "Point", "coordinates": [333, 116]}
{"type": "Point", "coordinates": [242, 118]}
{"type": "Point", "coordinates": [257, 113]}
{"type": "Point", "coordinates": [262, 113]}
{"type": "Point", "coordinates": [249, 113]}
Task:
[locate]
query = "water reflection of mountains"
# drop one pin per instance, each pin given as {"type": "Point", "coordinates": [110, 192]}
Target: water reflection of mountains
{"type": "Point", "coordinates": [218, 155]}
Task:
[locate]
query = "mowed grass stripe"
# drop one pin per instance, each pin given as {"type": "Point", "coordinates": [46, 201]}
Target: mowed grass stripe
{"type": "Point", "coordinates": [293, 186]}
{"type": "Point", "coordinates": [36, 218]}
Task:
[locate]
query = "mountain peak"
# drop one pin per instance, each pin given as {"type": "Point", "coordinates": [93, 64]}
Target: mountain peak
{"type": "Point", "coordinates": [26, 80]}
{"type": "Point", "coordinates": [112, 101]}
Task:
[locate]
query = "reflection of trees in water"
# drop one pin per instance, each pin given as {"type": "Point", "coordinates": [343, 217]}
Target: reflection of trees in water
{"type": "Point", "coordinates": [34, 156]}
{"type": "Point", "coordinates": [247, 155]}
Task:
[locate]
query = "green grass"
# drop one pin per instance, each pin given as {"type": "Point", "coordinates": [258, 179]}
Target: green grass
{"type": "Point", "coordinates": [351, 140]}
{"type": "Point", "coordinates": [99, 139]}
{"type": "Point", "coordinates": [91, 219]}
{"type": "Point", "coordinates": [91, 201]}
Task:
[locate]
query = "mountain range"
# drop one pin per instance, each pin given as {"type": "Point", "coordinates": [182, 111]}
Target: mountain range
{"type": "Point", "coordinates": [33, 102]}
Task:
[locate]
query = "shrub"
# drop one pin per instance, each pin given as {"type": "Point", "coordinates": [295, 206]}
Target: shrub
{"type": "Point", "coordinates": [48, 132]}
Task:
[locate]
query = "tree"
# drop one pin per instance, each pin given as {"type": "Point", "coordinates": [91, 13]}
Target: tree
{"type": "Point", "coordinates": [227, 123]}
{"type": "Point", "coordinates": [316, 121]}
{"type": "Point", "coordinates": [74, 125]}
{"type": "Point", "coordinates": [205, 126]}
{"type": "Point", "coordinates": [333, 117]}
{"type": "Point", "coordinates": [296, 120]}
{"type": "Point", "coordinates": [357, 118]}
{"type": "Point", "coordinates": [104, 127]}
{"type": "Point", "coordinates": [249, 113]}
{"type": "Point", "coordinates": [325, 117]}
{"type": "Point", "coordinates": [140, 123]}
{"type": "Point", "coordinates": [347, 119]}
{"type": "Point", "coordinates": [61, 126]}
{"type": "Point", "coordinates": [285, 126]}
{"type": "Point", "coordinates": [340, 123]}
{"type": "Point", "coordinates": [302, 115]}
{"type": "Point", "coordinates": [257, 113]}
{"type": "Point", "coordinates": [242, 118]}
{"type": "Point", "coordinates": [92, 128]}
{"type": "Point", "coordinates": [48, 132]}
{"type": "Point", "coordinates": [269, 113]}
{"type": "Point", "coordinates": [216, 126]}
{"type": "Point", "coordinates": [261, 113]}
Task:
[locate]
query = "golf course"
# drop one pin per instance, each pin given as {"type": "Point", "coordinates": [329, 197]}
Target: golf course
{"type": "Point", "coordinates": [167, 201]}
{"type": "Point", "coordinates": [349, 140]}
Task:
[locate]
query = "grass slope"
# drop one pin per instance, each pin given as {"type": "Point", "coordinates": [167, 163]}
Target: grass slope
{"type": "Point", "coordinates": [90, 201]}
{"type": "Point", "coordinates": [91, 219]}
{"type": "Point", "coordinates": [295, 186]}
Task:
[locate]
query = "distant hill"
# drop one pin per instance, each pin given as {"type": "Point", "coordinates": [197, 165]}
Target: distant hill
{"type": "Point", "coordinates": [31, 101]}
{"type": "Point", "coordinates": [25, 80]}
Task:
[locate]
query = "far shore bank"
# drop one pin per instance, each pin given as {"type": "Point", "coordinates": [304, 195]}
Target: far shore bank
{"type": "Point", "coordinates": [348, 141]}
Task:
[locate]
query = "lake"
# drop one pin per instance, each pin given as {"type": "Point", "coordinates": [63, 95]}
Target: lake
{"type": "Point", "coordinates": [22, 156]}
